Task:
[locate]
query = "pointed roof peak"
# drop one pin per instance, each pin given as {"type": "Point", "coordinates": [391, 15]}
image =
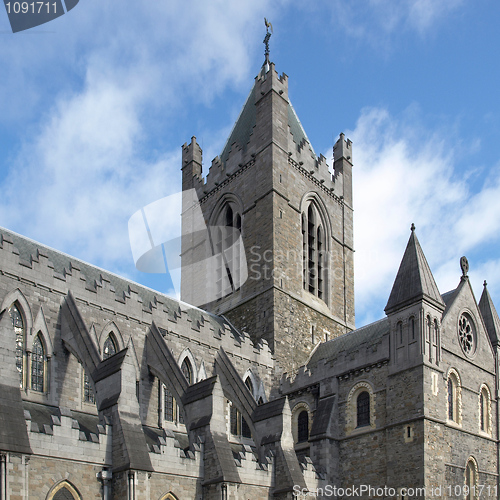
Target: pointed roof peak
{"type": "Point", "coordinates": [414, 280]}
{"type": "Point", "coordinates": [490, 316]}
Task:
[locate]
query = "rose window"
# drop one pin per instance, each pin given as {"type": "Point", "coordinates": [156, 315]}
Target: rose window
{"type": "Point", "coordinates": [467, 335]}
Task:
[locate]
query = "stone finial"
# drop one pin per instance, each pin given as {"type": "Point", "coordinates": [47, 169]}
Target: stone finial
{"type": "Point", "coordinates": [464, 265]}
{"type": "Point", "coordinates": [484, 284]}
{"type": "Point", "coordinates": [412, 228]}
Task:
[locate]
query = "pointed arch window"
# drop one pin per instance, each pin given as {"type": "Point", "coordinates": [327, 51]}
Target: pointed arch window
{"type": "Point", "coordinates": [64, 491]}
{"type": "Point", "coordinates": [20, 331]}
{"type": "Point", "coordinates": [88, 389]}
{"type": "Point", "coordinates": [314, 251]}
{"type": "Point", "coordinates": [227, 248]}
{"type": "Point", "coordinates": [38, 362]}
{"type": "Point", "coordinates": [109, 348]}
{"type": "Point", "coordinates": [237, 423]}
{"type": "Point", "coordinates": [187, 370]}
{"type": "Point", "coordinates": [169, 496]}
{"type": "Point", "coordinates": [248, 383]}
{"type": "Point", "coordinates": [471, 477]}
{"type": "Point", "coordinates": [169, 406]}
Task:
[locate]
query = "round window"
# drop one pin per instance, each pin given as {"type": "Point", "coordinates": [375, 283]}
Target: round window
{"type": "Point", "coordinates": [467, 335]}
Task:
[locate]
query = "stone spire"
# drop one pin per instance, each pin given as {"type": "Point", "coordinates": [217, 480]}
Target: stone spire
{"type": "Point", "coordinates": [414, 280]}
{"type": "Point", "coordinates": [490, 316]}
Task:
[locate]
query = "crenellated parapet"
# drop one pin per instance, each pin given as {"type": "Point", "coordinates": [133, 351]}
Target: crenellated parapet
{"type": "Point", "coordinates": [68, 434]}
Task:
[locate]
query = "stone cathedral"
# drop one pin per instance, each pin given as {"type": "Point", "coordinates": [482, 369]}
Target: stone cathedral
{"type": "Point", "coordinates": [110, 390]}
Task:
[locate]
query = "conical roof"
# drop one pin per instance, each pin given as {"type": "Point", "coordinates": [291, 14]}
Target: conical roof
{"type": "Point", "coordinates": [244, 126]}
{"type": "Point", "coordinates": [490, 316]}
{"type": "Point", "coordinates": [414, 280]}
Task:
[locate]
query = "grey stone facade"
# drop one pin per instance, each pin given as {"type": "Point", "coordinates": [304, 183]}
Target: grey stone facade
{"type": "Point", "coordinates": [110, 390]}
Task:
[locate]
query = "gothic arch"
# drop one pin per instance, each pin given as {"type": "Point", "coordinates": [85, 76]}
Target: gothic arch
{"type": "Point", "coordinates": [63, 490]}
{"type": "Point", "coordinates": [17, 296]}
{"type": "Point", "coordinates": [316, 235]}
{"type": "Point", "coordinates": [322, 210]}
{"type": "Point", "coordinates": [109, 329]}
{"type": "Point", "coordinates": [40, 327]}
{"type": "Point", "coordinates": [227, 198]}
{"type": "Point", "coordinates": [186, 353]}
{"type": "Point", "coordinates": [169, 496]}
{"type": "Point", "coordinates": [471, 476]}
{"type": "Point", "coordinates": [253, 380]}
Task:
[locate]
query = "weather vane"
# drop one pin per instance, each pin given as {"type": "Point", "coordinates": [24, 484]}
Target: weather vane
{"type": "Point", "coordinates": [268, 36]}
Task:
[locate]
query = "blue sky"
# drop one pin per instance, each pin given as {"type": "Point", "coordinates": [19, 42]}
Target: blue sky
{"type": "Point", "coordinates": [94, 108]}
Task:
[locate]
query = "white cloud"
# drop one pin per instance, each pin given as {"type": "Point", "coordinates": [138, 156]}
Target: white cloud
{"type": "Point", "coordinates": [375, 20]}
{"type": "Point", "coordinates": [403, 174]}
{"type": "Point", "coordinates": [86, 165]}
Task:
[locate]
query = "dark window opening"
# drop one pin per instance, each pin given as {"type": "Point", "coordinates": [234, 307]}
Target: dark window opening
{"type": "Point", "coordinates": [363, 409]}
{"type": "Point", "coordinates": [303, 427]}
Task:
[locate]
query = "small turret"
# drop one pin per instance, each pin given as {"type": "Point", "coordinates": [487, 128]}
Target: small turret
{"type": "Point", "coordinates": [490, 317]}
{"type": "Point", "coordinates": [192, 159]}
{"type": "Point", "coordinates": [414, 310]}
{"type": "Point", "coordinates": [342, 158]}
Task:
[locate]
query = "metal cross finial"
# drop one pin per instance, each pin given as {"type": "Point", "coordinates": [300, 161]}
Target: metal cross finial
{"type": "Point", "coordinates": [267, 37]}
{"type": "Point", "coordinates": [412, 227]}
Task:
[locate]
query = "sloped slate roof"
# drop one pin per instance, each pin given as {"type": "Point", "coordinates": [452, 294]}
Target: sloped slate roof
{"type": "Point", "coordinates": [243, 128]}
{"type": "Point", "coordinates": [414, 280]}
{"type": "Point", "coordinates": [296, 128]}
{"type": "Point", "coordinates": [29, 251]}
{"type": "Point", "coordinates": [367, 335]}
{"type": "Point", "coordinates": [490, 316]}
{"type": "Point", "coordinates": [244, 125]}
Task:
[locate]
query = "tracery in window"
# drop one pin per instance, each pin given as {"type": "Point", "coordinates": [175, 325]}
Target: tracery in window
{"type": "Point", "coordinates": [169, 406]}
{"type": "Point", "coordinates": [38, 361]}
{"type": "Point", "coordinates": [467, 334]}
{"type": "Point", "coordinates": [88, 390]}
{"type": "Point", "coordinates": [109, 348]}
{"type": "Point", "coordinates": [314, 251]}
{"type": "Point", "coordinates": [227, 246]}
{"type": "Point", "coordinates": [20, 331]}
{"type": "Point", "coordinates": [237, 423]}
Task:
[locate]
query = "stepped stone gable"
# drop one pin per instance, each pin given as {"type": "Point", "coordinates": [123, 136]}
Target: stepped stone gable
{"type": "Point", "coordinates": [110, 390]}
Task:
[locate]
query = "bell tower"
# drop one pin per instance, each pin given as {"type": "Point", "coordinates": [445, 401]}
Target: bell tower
{"type": "Point", "coordinates": [295, 217]}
